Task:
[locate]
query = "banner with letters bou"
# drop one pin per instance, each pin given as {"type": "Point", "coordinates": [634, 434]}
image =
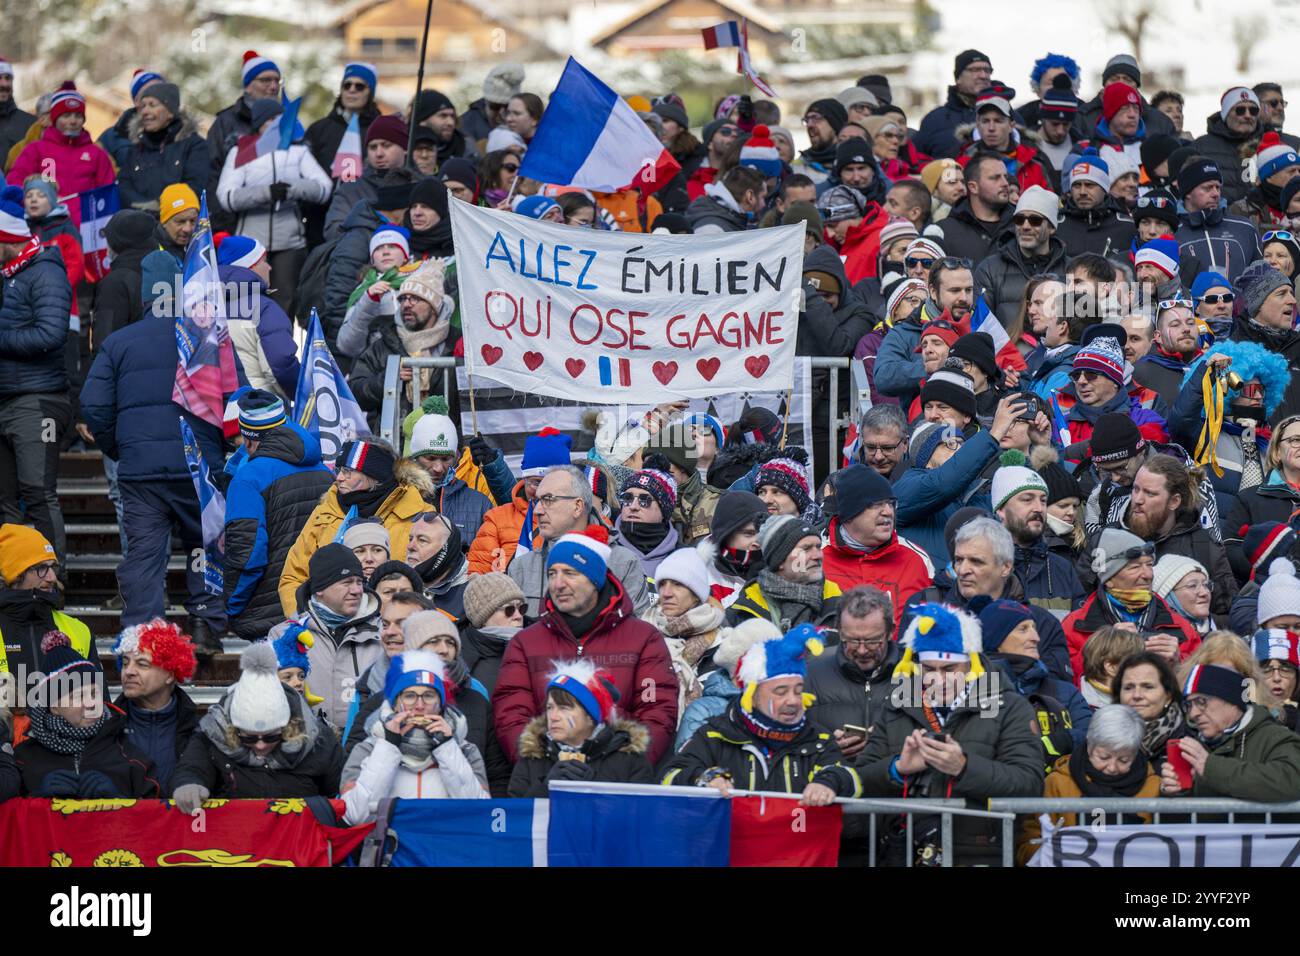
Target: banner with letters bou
{"type": "Point", "coordinates": [613, 317]}
{"type": "Point", "coordinates": [1171, 845]}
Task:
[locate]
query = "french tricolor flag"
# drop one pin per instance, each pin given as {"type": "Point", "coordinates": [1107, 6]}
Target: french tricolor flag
{"type": "Point", "coordinates": [615, 372]}
{"type": "Point", "coordinates": [724, 34]}
{"type": "Point", "coordinates": [984, 320]}
{"type": "Point", "coordinates": [346, 167]}
{"type": "Point", "coordinates": [591, 138]}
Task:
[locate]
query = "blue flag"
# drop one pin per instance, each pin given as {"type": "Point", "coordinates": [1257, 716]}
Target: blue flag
{"type": "Point", "coordinates": [290, 129]}
{"type": "Point", "coordinates": [469, 833]}
{"type": "Point", "coordinates": [637, 826]}
{"type": "Point", "coordinates": [212, 509]}
{"type": "Point", "coordinates": [526, 532]}
{"type": "Point", "coordinates": [324, 405]}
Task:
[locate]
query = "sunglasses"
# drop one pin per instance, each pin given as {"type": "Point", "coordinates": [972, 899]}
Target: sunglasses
{"type": "Point", "coordinates": [1214, 298]}
{"type": "Point", "coordinates": [511, 167]}
{"type": "Point", "coordinates": [512, 609]}
{"type": "Point", "coordinates": [1132, 554]}
{"type": "Point", "coordinates": [248, 740]}
{"type": "Point", "coordinates": [1281, 234]}
{"type": "Point", "coordinates": [1154, 202]}
{"type": "Point", "coordinates": [641, 501]}
{"type": "Point", "coordinates": [952, 262]}
{"type": "Point", "coordinates": [1246, 111]}
{"type": "Point", "coordinates": [1174, 303]}
{"type": "Point", "coordinates": [911, 262]}
{"type": "Point", "coordinates": [1024, 218]}
{"type": "Point", "coordinates": [1087, 373]}
{"type": "Point", "coordinates": [355, 85]}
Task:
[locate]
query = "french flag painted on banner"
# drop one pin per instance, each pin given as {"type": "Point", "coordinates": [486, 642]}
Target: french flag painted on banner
{"type": "Point", "coordinates": [590, 137]}
{"type": "Point", "coordinates": [615, 372]}
{"type": "Point", "coordinates": [724, 34]}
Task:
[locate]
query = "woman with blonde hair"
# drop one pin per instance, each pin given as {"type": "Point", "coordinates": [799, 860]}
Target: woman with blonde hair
{"type": "Point", "coordinates": [1230, 650]}
{"type": "Point", "coordinates": [1105, 650]}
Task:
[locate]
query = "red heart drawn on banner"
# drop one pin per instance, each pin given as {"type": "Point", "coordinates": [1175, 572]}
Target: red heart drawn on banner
{"type": "Point", "coordinates": [491, 354]}
{"type": "Point", "coordinates": [708, 367]}
{"type": "Point", "coordinates": [533, 360]}
{"type": "Point", "coordinates": [664, 371]}
{"type": "Point", "coordinates": [756, 365]}
{"type": "Point", "coordinates": [574, 367]}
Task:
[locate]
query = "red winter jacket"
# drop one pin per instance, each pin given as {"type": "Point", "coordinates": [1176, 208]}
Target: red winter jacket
{"type": "Point", "coordinates": [702, 176]}
{"type": "Point", "coordinates": [1095, 614]}
{"type": "Point", "coordinates": [78, 164]}
{"type": "Point", "coordinates": [898, 568]}
{"type": "Point", "coordinates": [633, 652]}
{"type": "Point", "coordinates": [861, 246]}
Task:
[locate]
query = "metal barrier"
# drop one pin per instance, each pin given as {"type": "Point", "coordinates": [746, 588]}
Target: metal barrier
{"type": "Point", "coordinates": [390, 421]}
{"type": "Point", "coordinates": [1171, 806]}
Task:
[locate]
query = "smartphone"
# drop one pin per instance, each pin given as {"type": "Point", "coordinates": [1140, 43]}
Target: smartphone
{"type": "Point", "coordinates": [1030, 410]}
{"type": "Point", "coordinates": [1174, 754]}
{"type": "Point", "coordinates": [853, 730]}
{"type": "Point", "coordinates": [934, 735]}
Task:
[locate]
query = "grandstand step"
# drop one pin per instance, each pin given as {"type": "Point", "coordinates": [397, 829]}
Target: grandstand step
{"type": "Point", "coordinates": [232, 646]}
{"type": "Point", "coordinates": [109, 562]}
{"type": "Point", "coordinates": [81, 465]}
{"type": "Point", "coordinates": [219, 671]}
{"type": "Point", "coordinates": [78, 528]}
{"type": "Point", "coordinates": [82, 487]}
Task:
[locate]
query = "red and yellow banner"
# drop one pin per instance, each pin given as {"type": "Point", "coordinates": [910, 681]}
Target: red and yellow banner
{"type": "Point", "coordinates": [240, 833]}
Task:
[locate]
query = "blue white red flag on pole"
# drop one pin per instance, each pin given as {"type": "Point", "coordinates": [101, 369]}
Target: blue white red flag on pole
{"type": "Point", "coordinates": [743, 64]}
{"type": "Point", "coordinates": [324, 404]}
{"type": "Point", "coordinates": [96, 208]}
{"type": "Point", "coordinates": [590, 137]}
{"type": "Point", "coordinates": [724, 34]}
{"type": "Point", "coordinates": [280, 136]}
{"type": "Point", "coordinates": [347, 161]}
{"type": "Point", "coordinates": [1005, 351]}
{"type": "Point", "coordinates": [205, 372]}
{"type": "Point", "coordinates": [526, 532]}
{"type": "Point", "coordinates": [1060, 428]}
{"type": "Point", "coordinates": [212, 511]}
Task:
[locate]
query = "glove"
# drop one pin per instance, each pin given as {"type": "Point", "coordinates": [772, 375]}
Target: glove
{"type": "Point", "coordinates": [571, 770]}
{"type": "Point", "coordinates": [189, 797]}
{"type": "Point", "coordinates": [480, 451]}
{"type": "Point", "coordinates": [93, 785]}
{"type": "Point", "coordinates": [279, 192]}
{"type": "Point", "coordinates": [57, 783]}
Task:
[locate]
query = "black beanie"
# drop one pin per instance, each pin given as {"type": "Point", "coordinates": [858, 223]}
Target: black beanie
{"type": "Point", "coordinates": [857, 488]}
{"type": "Point", "coordinates": [1195, 173]}
{"type": "Point", "coordinates": [1045, 460]}
{"type": "Point", "coordinates": [878, 85]}
{"type": "Point", "coordinates": [431, 192]}
{"type": "Point", "coordinates": [977, 348]}
{"type": "Point", "coordinates": [966, 58]}
{"type": "Point", "coordinates": [130, 229]}
{"type": "Point", "coordinates": [370, 459]}
{"type": "Point", "coordinates": [734, 510]}
{"type": "Point", "coordinates": [430, 102]}
{"type": "Point", "coordinates": [1180, 156]}
{"type": "Point", "coordinates": [1288, 193]}
{"type": "Point", "coordinates": [1156, 149]}
{"type": "Point", "coordinates": [832, 111]}
{"type": "Point", "coordinates": [460, 170]}
{"type": "Point", "coordinates": [333, 563]}
{"type": "Point", "coordinates": [953, 387]}
{"type": "Point", "coordinates": [393, 196]}
{"type": "Point", "coordinates": [758, 426]}
{"type": "Point", "coordinates": [1115, 438]}
{"type": "Point", "coordinates": [851, 151]}
{"type": "Point", "coordinates": [398, 567]}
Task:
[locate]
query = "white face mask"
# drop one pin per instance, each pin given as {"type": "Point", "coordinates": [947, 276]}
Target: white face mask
{"type": "Point", "coordinates": [1062, 528]}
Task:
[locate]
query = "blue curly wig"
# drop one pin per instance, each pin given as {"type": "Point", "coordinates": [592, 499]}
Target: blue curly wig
{"type": "Point", "coordinates": [1052, 60]}
{"type": "Point", "coordinates": [1252, 361]}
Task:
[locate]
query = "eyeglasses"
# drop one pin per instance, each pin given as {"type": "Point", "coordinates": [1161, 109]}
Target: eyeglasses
{"type": "Point", "coordinates": [911, 262]}
{"type": "Point", "coordinates": [1245, 111]}
{"type": "Point", "coordinates": [1278, 667]}
{"type": "Point", "coordinates": [1281, 234]}
{"type": "Point", "coordinates": [249, 740]}
{"type": "Point", "coordinates": [1027, 218]}
{"type": "Point", "coordinates": [512, 167]}
{"type": "Point", "coordinates": [1274, 104]}
{"type": "Point", "coordinates": [1214, 298]}
{"type": "Point", "coordinates": [1196, 703]}
{"type": "Point", "coordinates": [355, 85]}
{"type": "Point", "coordinates": [863, 643]}
{"type": "Point", "coordinates": [548, 501]}
{"type": "Point", "coordinates": [1292, 442]}
{"type": "Point", "coordinates": [729, 131]}
{"type": "Point", "coordinates": [416, 697]}
{"type": "Point", "coordinates": [46, 570]}
{"type": "Point", "coordinates": [641, 501]}
{"type": "Point", "coordinates": [882, 449]}
{"type": "Point", "coordinates": [1193, 587]}
{"type": "Point", "coordinates": [512, 609]}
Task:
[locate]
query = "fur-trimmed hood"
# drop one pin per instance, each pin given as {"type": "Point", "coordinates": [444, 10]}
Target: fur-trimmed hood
{"type": "Point", "coordinates": [188, 127]}
{"type": "Point", "coordinates": [620, 734]}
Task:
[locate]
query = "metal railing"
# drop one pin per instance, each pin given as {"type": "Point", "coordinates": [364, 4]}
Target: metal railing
{"type": "Point", "coordinates": [1181, 807]}
{"type": "Point", "coordinates": [390, 421]}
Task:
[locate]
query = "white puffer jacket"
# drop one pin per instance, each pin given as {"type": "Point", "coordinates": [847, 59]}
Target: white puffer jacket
{"type": "Point", "coordinates": [246, 191]}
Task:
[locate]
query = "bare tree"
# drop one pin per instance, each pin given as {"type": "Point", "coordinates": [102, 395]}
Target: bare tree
{"type": "Point", "coordinates": [1130, 19]}
{"type": "Point", "coordinates": [1246, 32]}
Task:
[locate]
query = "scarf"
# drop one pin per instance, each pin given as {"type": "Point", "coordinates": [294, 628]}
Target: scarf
{"type": "Point", "coordinates": [418, 342]}
{"type": "Point", "coordinates": [851, 542]}
{"type": "Point", "coordinates": [1093, 783]}
{"type": "Point", "coordinates": [444, 562]}
{"type": "Point", "coordinates": [1129, 600]}
{"type": "Point", "coordinates": [701, 620]}
{"type": "Point", "coordinates": [57, 735]}
{"type": "Point", "coordinates": [499, 633]}
{"type": "Point", "coordinates": [1203, 625]}
{"type": "Point", "coordinates": [643, 536]}
{"type": "Point", "coordinates": [457, 671]}
{"type": "Point", "coordinates": [779, 592]}
{"type": "Point", "coordinates": [16, 264]}
{"type": "Point", "coordinates": [435, 242]}
{"type": "Point", "coordinates": [737, 563]}
{"type": "Point", "coordinates": [1063, 528]}
{"type": "Point", "coordinates": [331, 619]}
{"type": "Point", "coordinates": [765, 728]}
{"type": "Point", "coordinates": [1161, 729]}
{"type": "Point", "coordinates": [366, 500]}
{"type": "Point", "coordinates": [393, 277]}
{"type": "Point", "coordinates": [580, 624]}
{"type": "Point", "coordinates": [1213, 743]}
{"type": "Point", "coordinates": [1274, 339]}
{"type": "Point", "coordinates": [1090, 413]}
{"type": "Point", "coordinates": [823, 156]}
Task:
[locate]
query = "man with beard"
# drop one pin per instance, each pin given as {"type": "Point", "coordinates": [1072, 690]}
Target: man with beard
{"type": "Point", "coordinates": [984, 214]}
{"type": "Point", "coordinates": [1175, 348]}
{"type": "Point", "coordinates": [31, 599]}
{"type": "Point", "coordinates": [899, 366]}
{"type": "Point", "coordinates": [864, 547]}
{"type": "Point", "coordinates": [1020, 501]}
{"type": "Point", "coordinates": [823, 120]}
{"type": "Point", "coordinates": [1164, 508]}
{"type": "Point", "coordinates": [436, 112]}
{"type": "Point", "coordinates": [434, 550]}
{"type": "Point", "coordinates": [1097, 388]}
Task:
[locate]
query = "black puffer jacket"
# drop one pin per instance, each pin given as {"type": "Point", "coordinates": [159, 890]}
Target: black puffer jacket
{"type": "Point", "coordinates": [152, 162]}
{"type": "Point", "coordinates": [824, 331]}
{"type": "Point", "coordinates": [14, 124]}
{"type": "Point", "coordinates": [34, 307]}
{"type": "Point", "coordinates": [1230, 150]}
{"type": "Point", "coordinates": [758, 764]}
{"type": "Point", "coordinates": [268, 503]}
{"type": "Point", "coordinates": [1105, 230]}
{"type": "Point", "coordinates": [129, 772]}
{"type": "Point", "coordinates": [1004, 273]}
{"type": "Point", "coordinates": [482, 654]}
{"type": "Point", "coordinates": [615, 755]}
{"type": "Point", "coordinates": [844, 693]}
{"type": "Point", "coordinates": [313, 770]}
{"type": "Point", "coordinates": [966, 237]}
{"type": "Point", "coordinates": [713, 212]}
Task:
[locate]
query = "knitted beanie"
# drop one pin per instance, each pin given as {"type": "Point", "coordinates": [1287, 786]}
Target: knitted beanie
{"type": "Point", "coordinates": [1233, 97]}
{"type": "Point", "coordinates": [660, 486]}
{"type": "Point", "coordinates": [1161, 252]}
{"type": "Point", "coordinates": [789, 476]}
{"type": "Point", "coordinates": [1012, 477]}
{"type": "Point", "coordinates": [485, 594]}
{"type": "Point", "coordinates": [997, 618]}
{"type": "Point", "coordinates": [257, 703]}
{"type": "Point", "coordinates": [1261, 543]}
{"type": "Point", "coordinates": [778, 535]}
{"type": "Point", "coordinates": [760, 153]}
{"type": "Point", "coordinates": [387, 234]}
{"type": "Point", "coordinates": [367, 457]}
{"type": "Point", "coordinates": [1257, 282]}
{"type": "Point", "coordinates": [1273, 156]}
{"type": "Point", "coordinates": [1170, 570]}
{"type": "Point", "coordinates": [586, 552]}
{"type": "Point", "coordinates": [1103, 355]}
{"type": "Point", "coordinates": [254, 65]}
{"type": "Point", "coordinates": [366, 531]}
{"type": "Point", "coordinates": [1280, 593]}
{"type": "Point", "coordinates": [1115, 97]}
{"type": "Point", "coordinates": [686, 567]}
{"type": "Point", "coordinates": [952, 386]}
{"type": "Point", "coordinates": [1115, 438]}
{"type": "Point", "coordinates": [545, 450]}
{"type": "Point", "coordinates": [1221, 682]}
{"type": "Point", "coordinates": [1111, 554]}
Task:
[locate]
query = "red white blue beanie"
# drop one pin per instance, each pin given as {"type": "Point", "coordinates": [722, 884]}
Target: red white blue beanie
{"type": "Point", "coordinates": [13, 218]}
{"type": "Point", "coordinates": [1215, 681]}
{"type": "Point", "coordinates": [586, 552]}
{"type": "Point", "coordinates": [66, 99]}
{"type": "Point", "coordinates": [142, 78]}
{"type": "Point", "coordinates": [1161, 252]}
{"type": "Point", "coordinates": [415, 669]}
{"type": "Point", "coordinates": [592, 688]}
{"type": "Point", "coordinates": [1277, 644]}
{"type": "Point", "coordinates": [1273, 156]}
{"type": "Point", "coordinates": [760, 153]}
{"type": "Point", "coordinates": [789, 476]}
{"type": "Point", "coordinates": [659, 484]}
{"type": "Point", "coordinates": [242, 251]}
{"type": "Point", "coordinates": [365, 72]}
{"type": "Point", "coordinates": [1233, 97]}
{"type": "Point", "coordinates": [368, 458]}
{"type": "Point", "coordinates": [1103, 355]}
{"type": "Point", "coordinates": [391, 235]}
{"type": "Point", "coordinates": [255, 65]}
{"type": "Point", "coordinates": [997, 96]}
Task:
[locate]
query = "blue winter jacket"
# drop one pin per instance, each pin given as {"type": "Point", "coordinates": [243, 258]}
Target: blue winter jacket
{"type": "Point", "coordinates": [719, 691]}
{"type": "Point", "coordinates": [34, 307]}
{"type": "Point", "coordinates": [127, 403]}
{"type": "Point", "coordinates": [1049, 374]}
{"type": "Point", "coordinates": [927, 498]}
{"type": "Point", "coordinates": [464, 506]}
{"type": "Point", "coordinates": [937, 136]}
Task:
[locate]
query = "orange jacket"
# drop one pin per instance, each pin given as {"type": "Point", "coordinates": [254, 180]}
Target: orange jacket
{"type": "Point", "coordinates": [498, 535]}
{"type": "Point", "coordinates": [623, 206]}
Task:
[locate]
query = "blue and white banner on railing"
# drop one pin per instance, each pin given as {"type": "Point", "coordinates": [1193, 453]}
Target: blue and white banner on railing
{"type": "Point", "coordinates": [1170, 845]}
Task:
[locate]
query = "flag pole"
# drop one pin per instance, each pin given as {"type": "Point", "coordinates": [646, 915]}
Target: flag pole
{"type": "Point", "coordinates": [785, 424]}
{"type": "Point", "coordinates": [473, 406]}
{"type": "Point", "coordinates": [419, 85]}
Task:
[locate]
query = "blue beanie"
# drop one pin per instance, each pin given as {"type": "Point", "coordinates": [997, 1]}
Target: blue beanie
{"type": "Point", "coordinates": [586, 552]}
{"type": "Point", "coordinates": [997, 619]}
{"type": "Point", "coordinates": [240, 251]}
{"type": "Point", "coordinates": [535, 207]}
{"type": "Point", "coordinates": [255, 65]}
{"type": "Point", "coordinates": [711, 423]}
{"type": "Point", "coordinates": [414, 669]}
{"type": "Point", "coordinates": [546, 449]}
{"type": "Point", "coordinates": [292, 646]}
{"type": "Point", "coordinates": [259, 412]}
{"type": "Point", "coordinates": [1207, 281]}
{"type": "Point", "coordinates": [365, 72]}
{"type": "Point", "coordinates": [142, 78]}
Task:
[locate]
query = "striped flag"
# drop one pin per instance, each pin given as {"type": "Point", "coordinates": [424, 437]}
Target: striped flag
{"type": "Point", "coordinates": [212, 509]}
{"type": "Point", "coordinates": [205, 372]}
{"type": "Point", "coordinates": [347, 160]}
{"type": "Point", "coordinates": [984, 320]}
{"type": "Point", "coordinates": [1059, 426]}
{"type": "Point", "coordinates": [743, 64]}
{"type": "Point", "coordinates": [615, 372]}
{"type": "Point", "coordinates": [96, 207]}
{"type": "Point", "coordinates": [324, 404]}
{"type": "Point", "coordinates": [526, 532]}
{"type": "Point", "coordinates": [280, 136]}
{"type": "Point", "coordinates": [724, 34]}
